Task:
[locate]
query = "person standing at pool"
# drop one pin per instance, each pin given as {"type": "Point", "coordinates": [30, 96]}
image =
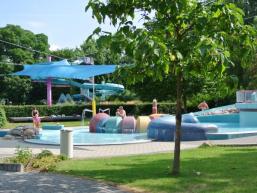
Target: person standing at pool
{"type": "Point", "coordinates": [121, 112]}
{"type": "Point", "coordinates": [36, 118]}
{"type": "Point", "coordinates": [154, 107]}
{"type": "Point", "coordinates": [203, 106]}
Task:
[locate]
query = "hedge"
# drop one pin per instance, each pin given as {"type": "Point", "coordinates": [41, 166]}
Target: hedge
{"type": "Point", "coordinates": [131, 109]}
{"type": "Point", "coordinates": [2, 117]}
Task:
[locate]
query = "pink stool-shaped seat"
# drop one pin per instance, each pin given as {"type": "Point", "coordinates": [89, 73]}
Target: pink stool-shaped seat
{"type": "Point", "coordinates": [128, 124]}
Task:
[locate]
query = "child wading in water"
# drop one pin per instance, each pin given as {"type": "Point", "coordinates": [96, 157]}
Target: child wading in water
{"type": "Point", "coordinates": [36, 119]}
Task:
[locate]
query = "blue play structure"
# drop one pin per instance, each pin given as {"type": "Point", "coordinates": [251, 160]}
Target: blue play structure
{"type": "Point", "coordinates": [226, 122]}
{"type": "Point", "coordinates": [163, 128]}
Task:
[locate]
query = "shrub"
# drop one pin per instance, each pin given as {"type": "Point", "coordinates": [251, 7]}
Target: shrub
{"type": "Point", "coordinates": [44, 153]}
{"type": "Point", "coordinates": [46, 163]}
{"type": "Point", "coordinates": [44, 110]}
{"type": "Point", "coordinates": [2, 117]}
{"type": "Point", "coordinates": [23, 156]}
{"type": "Point", "coordinates": [46, 160]}
{"type": "Point", "coordinates": [131, 109]}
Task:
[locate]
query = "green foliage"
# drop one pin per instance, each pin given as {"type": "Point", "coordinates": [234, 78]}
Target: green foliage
{"type": "Point", "coordinates": [63, 157]}
{"type": "Point", "coordinates": [14, 54]}
{"type": "Point", "coordinates": [47, 162]}
{"type": "Point", "coordinates": [180, 39]}
{"type": "Point", "coordinates": [102, 53]}
{"type": "Point", "coordinates": [169, 42]}
{"type": "Point", "coordinates": [19, 85]}
{"type": "Point", "coordinates": [44, 161]}
{"type": "Point", "coordinates": [17, 35]}
{"type": "Point", "coordinates": [131, 109]}
{"type": "Point", "coordinates": [44, 153]}
{"type": "Point", "coordinates": [70, 54]}
{"type": "Point", "coordinates": [23, 156]}
{"type": "Point", "coordinates": [2, 117]}
{"type": "Point", "coordinates": [44, 110]}
{"type": "Point", "coordinates": [6, 68]}
{"type": "Point", "coordinates": [249, 7]}
{"type": "Point", "coordinates": [65, 123]}
{"type": "Point", "coordinates": [127, 95]}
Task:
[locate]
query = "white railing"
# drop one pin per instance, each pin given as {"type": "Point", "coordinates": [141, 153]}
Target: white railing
{"type": "Point", "coordinates": [246, 96]}
{"type": "Point", "coordinates": [83, 116]}
{"type": "Point", "coordinates": [105, 110]}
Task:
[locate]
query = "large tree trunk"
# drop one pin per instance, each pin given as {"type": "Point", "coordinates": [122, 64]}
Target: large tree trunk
{"type": "Point", "coordinates": [176, 162]}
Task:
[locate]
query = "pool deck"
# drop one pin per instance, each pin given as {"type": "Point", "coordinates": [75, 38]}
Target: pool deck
{"type": "Point", "coordinates": [7, 147]}
{"type": "Point", "coordinates": [242, 141]}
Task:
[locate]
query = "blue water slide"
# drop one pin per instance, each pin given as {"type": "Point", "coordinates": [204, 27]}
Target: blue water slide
{"type": "Point", "coordinates": [103, 87]}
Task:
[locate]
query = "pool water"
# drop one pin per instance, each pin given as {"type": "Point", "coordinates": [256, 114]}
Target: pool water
{"type": "Point", "coordinates": [229, 127]}
{"type": "Point", "coordinates": [84, 137]}
{"type": "Point", "coordinates": [230, 130]}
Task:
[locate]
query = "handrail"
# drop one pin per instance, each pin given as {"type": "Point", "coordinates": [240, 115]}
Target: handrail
{"type": "Point", "coordinates": [246, 96]}
{"type": "Point", "coordinates": [104, 110]}
{"type": "Point", "coordinates": [84, 115]}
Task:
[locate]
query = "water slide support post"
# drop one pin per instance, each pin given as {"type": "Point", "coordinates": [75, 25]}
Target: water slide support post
{"type": "Point", "coordinates": [49, 87]}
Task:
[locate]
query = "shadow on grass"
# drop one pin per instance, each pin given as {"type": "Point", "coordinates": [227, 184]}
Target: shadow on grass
{"type": "Point", "coordinates": [214, 169]}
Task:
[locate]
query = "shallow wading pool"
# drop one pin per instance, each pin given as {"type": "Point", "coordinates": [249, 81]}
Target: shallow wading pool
{"type": "Point", "coordinates": [82, 136]}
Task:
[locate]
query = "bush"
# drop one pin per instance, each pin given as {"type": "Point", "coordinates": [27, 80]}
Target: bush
{"type": "Point", "coordinates": [2, 117]}
{"type": "Point", "coordinates": [23, 156]}
{"type": "Point", "coordinates": [44, 153]}
{"type": "Point", "coordinates": [44, 161]}
{"type": "Point", "coordinates": [131, 109]}
{"type": "Point", "coordinates": [44, 110]}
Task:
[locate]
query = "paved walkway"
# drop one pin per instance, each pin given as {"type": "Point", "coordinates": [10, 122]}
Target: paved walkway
{"type": "Point", "coordinates": [252, 140]}
{"type": "Point", "coordinates": [51, 183]}
{"type": "Point", "coordinates": [47, 183]}
{"type": "Point", "coordinates": [7, 148]}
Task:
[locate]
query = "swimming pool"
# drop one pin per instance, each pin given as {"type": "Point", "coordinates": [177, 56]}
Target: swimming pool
{"type": "Point", "coordinates": [228, 126]}
{"type": "Point", "coordinates": [233, 127]}
{"type": "Point", "coordinates": [82, 136]}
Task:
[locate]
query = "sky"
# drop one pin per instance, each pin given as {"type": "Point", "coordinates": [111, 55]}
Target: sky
{"type": "Point", "coordinates": [65, 22]}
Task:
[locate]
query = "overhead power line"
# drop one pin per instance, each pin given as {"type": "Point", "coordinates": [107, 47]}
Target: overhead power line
{"type": "Point", "coordinates": [30, 49]}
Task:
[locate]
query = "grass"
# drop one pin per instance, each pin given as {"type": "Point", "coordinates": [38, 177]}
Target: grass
{"type": "Point", "coordinates": [212, 169]}
{"type": "Point", "coordinates": [65, 123]}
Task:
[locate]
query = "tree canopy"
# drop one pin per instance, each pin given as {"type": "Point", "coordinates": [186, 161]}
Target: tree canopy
{"type": "Point", "coordinates": [181, 39]}
{"type": "Point", "coordinates": [24, 38]}
{"type": "Point", "coordinates": [17, 46]}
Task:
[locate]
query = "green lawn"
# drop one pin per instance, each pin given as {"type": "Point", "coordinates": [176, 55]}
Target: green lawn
{"type": "Point", "coordinates": [214, 169]}
{"type": "Point", "coordinates": [65, 123]}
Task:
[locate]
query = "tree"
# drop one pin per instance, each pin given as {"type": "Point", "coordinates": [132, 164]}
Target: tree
{"type": "Point", "coordinates": [13, 39]}
{"type": "Point", "coordinates": [180, 38]}
{"type": "Point", "coordinates": [249, 7]}
{"type": "Point", "coordinates": [19, 37]}
{"type": "Point", "coordinates": [246, 74]}
{"type": "Point", "coordinates": [69, 54]}
{"type": "Point", "coordinates": [101, 53]}
{"type": "Point", "coordinates": [21, 90]}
